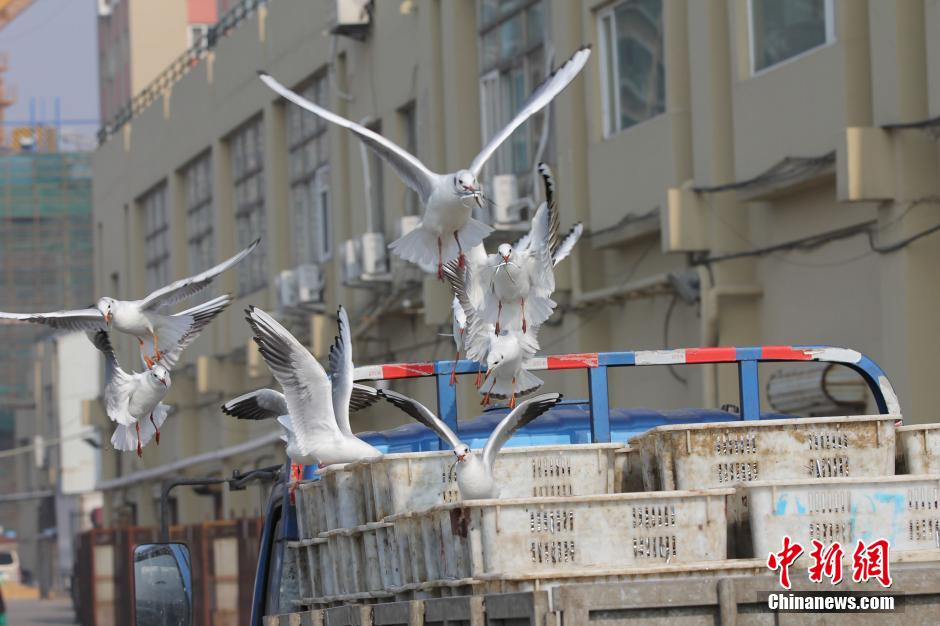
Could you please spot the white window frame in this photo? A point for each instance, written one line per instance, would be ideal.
(323, 215)
(829, 14)
(612, 127)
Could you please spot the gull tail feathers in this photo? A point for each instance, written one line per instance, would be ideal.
(526, 383)
(418, 246)
(125, 437)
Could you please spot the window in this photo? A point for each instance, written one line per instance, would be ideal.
(197, 177)
(632, 72)
(156, 237)
(247, 152)
(409, 129)
(309, 162)
(783, 30)
(512, 62)
(196, 35)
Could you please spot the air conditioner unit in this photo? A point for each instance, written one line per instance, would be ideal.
(310, 284)
(104, 8)
(505, 197)
(352, 261)
(352, 18)
(374, 257)
(286, 286)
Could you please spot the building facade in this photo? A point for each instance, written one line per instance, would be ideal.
(748, 172)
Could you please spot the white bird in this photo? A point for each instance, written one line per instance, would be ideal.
(447, 227)
(503, 353)
(560, 247)
(141, 318)
(317, 404)
(134, 399)
(474, 470)
(263, 404)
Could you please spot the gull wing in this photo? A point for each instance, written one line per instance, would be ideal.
(551, 205)
(118, 384)
(460, 323)
(478, 334)
(421, 414)
(260, 404)
(538, 259)
(202, 314)
(341, 371)
(524, 413)
(89, 319)
(541, 96)
(566, 245)
(306, 386)
(412, 171)
(362, 397)
(185, 287)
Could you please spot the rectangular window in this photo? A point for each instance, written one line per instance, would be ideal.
(632, 64)
(309, 173)
(247, 151)
(783, 30)
(409, 126)
(197, 178)
(156, 236)
(512, 64)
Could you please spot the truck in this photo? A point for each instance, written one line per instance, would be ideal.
(851, 459)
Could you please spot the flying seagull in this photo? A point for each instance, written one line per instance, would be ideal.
(447, 226)
(503, 353)
(475, 471)
(135, 399)
(317, 405)
(263, 404)
(141, 318)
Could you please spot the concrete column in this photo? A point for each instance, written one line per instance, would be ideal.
(176, 210)
(278, 242)
(678, 87)
(223, 208)
(461, 85)
(854, 35)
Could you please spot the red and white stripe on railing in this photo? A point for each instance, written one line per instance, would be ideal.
(680, 356)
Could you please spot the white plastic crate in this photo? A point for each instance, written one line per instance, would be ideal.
(311, 516)
(398, 483)
(525, 535)
(921, 447)
(905, 510)
(722, 454)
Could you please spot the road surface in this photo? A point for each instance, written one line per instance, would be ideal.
(39, 612)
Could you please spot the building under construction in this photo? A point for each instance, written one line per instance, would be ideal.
(45, 264)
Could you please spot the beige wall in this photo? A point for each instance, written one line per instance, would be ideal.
(721, 125)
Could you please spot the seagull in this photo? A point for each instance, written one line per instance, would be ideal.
(141, 318)
(503, 353)
(263, 404)
(475, 471)
(317, 404)
(560, 247)
(447, 226)
(132, 397)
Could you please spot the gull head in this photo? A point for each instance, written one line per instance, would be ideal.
(161, 375)
(107, 306)
(467, 186)
(505, 251)
(494, 359)
(462, 452)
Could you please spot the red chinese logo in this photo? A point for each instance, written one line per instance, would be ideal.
(783, 559)
(826, 563)
(871, 562)
(868, 562)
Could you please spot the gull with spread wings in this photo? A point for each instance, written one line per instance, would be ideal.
(141, 318)
(474, 470)
(317, 404)
(135, 399)
(447, 227)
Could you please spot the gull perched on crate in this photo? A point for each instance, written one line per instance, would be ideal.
(503, 353)
(141, 318)
(134, 397)
(475, 470)
(317, 404)
(447, 226)
(263, 404)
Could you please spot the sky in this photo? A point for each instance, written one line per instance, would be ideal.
(52, 52)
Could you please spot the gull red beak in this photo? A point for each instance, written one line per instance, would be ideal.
(107, 318)
(505, 258)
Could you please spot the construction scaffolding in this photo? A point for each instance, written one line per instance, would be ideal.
(45, 252)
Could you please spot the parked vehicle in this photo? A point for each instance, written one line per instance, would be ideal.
(372, 571)
(9, 563)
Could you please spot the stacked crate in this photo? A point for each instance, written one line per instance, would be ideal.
(687, 497)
